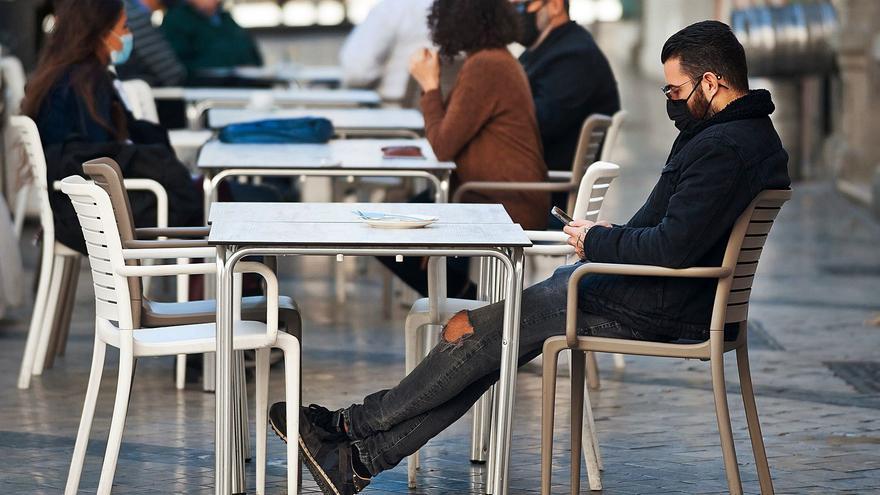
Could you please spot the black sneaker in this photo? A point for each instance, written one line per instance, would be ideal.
(329, 422)
(329, 461)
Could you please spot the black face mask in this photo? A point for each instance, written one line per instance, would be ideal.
(529, 25)
(679, 112)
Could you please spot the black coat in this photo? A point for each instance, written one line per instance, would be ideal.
(570, 79)
(712, 174)
(142, 161)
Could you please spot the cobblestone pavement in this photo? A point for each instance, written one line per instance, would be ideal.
(815, 362)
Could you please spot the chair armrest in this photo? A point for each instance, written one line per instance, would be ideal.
(621, 269)
(167, 270)
(271, 292)
(547, 236)
(173, 232)
(157, 190)
(158, 253)
(165, 243)
(512, 186)
(558, 175)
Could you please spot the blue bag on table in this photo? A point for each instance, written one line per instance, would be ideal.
(304, 130)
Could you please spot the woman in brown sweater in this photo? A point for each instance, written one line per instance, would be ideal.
(487, 125)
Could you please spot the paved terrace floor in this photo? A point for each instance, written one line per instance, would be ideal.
(814, 357)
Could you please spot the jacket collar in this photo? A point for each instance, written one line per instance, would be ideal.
(753, 105)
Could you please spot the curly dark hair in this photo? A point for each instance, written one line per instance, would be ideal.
(470, 25)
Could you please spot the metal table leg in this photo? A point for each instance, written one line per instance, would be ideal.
(223, 425)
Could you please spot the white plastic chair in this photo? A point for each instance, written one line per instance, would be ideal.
(112, 266)
(14, 82)
(186, 142)
(591, 193)
(55, 257)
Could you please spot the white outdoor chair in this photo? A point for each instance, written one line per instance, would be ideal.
(593, 187)
(735, 277)
(59, 265)
(13, 82)
(186, 142)
(112, 267)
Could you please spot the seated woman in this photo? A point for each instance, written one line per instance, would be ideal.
(204, 36)
(81, 116)
(487, 125)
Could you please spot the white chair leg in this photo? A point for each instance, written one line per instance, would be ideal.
(85, 422)
(36, 325)
(262, 412)
(182, 296)
(48, 322)
(291, 389)
(619, 361)
(117, 424)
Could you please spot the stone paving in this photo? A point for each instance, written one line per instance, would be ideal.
(814, 355)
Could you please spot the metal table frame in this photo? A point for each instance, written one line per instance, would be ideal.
(229, 462)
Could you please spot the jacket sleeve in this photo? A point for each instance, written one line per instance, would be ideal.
(568, 85)
(366, 50)
(691, 225)
(450, 127)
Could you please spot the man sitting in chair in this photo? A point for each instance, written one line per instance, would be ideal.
(726, 153)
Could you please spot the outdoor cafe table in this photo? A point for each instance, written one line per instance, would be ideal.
(337, 158)
(346, 121)
(285, 74)
(199, 100)
(239, 230)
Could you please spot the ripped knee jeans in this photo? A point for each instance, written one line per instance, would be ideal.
(392, 424)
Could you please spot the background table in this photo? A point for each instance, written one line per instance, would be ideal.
(236, 239)
(338, 158)
(346, 121)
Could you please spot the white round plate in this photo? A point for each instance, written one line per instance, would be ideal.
(396, 223)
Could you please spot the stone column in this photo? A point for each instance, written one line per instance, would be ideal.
(854, 155)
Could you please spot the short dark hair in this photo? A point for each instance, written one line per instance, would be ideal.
(709, 46)
(471, 25)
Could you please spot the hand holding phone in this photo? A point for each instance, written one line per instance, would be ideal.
(561, 215)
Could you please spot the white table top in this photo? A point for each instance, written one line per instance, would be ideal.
(369, 119)
(302, 74)
(293, 96)
(458, 213)
(338, 153)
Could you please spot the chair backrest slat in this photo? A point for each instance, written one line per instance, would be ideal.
(93, 209)
(24, 144)
(140, 96)
(106, 174)
(592, 190)
(744, 249)
(590, 140)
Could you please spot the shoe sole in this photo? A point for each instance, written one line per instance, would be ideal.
(318, 474)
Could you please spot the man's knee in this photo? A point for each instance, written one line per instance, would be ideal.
(457, 328)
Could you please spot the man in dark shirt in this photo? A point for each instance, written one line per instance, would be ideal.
(726, 153)
(569, 76)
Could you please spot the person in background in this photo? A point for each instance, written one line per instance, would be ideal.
(80, 116)
(204, 36)
(569, 76)
(152, 59)
(376, 54)
(487, 125)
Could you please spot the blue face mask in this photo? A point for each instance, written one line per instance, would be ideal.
(119, 57)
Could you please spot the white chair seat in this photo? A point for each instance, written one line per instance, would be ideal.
(62, 250)
(196, 339)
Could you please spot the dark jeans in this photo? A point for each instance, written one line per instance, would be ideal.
(392, 424)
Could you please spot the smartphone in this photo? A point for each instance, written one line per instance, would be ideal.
(561, 215)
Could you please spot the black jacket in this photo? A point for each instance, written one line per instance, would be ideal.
(712, 174)
(143, 161)
(570, 80)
